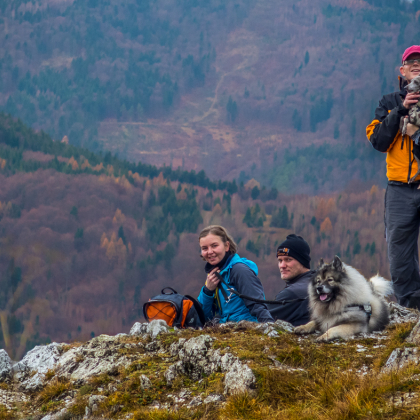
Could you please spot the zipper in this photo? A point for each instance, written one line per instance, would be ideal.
(410, 163)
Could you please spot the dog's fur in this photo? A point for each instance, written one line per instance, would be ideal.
(333, 289)
(413, 118)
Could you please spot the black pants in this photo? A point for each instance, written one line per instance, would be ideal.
(402, 220)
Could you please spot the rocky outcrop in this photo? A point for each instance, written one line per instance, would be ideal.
(5, 366)
(401, 357)
(399, 314)
(198, 359)
(30, 371)
(153, 329)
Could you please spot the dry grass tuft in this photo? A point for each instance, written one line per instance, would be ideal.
(53, 390)
(6, 414)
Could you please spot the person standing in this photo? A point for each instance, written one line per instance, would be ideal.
(402, 199)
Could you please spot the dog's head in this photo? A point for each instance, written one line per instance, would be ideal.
(326, 283)
(414, 85)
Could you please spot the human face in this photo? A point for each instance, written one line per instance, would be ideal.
(411, 71)
(213, 249)
(290, 268)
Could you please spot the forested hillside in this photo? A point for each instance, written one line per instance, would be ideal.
(274, 90)
(86, 238)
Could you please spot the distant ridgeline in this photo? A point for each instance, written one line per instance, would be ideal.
(16, 137)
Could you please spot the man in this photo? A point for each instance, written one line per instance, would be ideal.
(402, 200)
(294, 265)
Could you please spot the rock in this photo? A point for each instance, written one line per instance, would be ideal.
(195, 402)
(197, 358)
(399, 314)
(95, 400)
(139, 329)
(99, 355)
(284, 326)
(173, 371)
(401, 357)
(145, 382)
(414, 336)
(403, 399)
(239, 379)
(56, 416)
(156, 327)
(40, 359)
(213, 398)
(9, 398)
(5, 366)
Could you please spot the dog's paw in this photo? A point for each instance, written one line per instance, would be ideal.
(324, 338)
(299, 330)
(303, 329)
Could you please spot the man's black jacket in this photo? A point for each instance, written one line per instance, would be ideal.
(297, 313)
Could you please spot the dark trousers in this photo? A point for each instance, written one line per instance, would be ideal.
(402, 220)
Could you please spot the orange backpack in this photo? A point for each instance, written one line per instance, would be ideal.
(175, 309)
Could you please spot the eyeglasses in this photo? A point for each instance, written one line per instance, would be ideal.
(411, 62)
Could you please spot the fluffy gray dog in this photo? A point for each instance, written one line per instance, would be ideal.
(343, 303)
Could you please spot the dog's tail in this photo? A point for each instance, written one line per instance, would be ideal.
(381, 286)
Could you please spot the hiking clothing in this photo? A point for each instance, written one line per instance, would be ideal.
(297, 313)
(239, 274)
(384, 135)
(209, 267)
(402, 221)
(402, 200)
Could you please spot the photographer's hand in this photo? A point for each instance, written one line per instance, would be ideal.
(411, 99)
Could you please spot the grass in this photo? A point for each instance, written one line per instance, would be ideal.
(52, 391)
(323, 382)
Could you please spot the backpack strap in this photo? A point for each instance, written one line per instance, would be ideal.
(271, 302)
(198, 308)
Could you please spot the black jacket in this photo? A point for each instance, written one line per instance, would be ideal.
(384, 134)
(297, 313)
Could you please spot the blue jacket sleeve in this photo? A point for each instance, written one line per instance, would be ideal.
(247, 283)
(207, 304)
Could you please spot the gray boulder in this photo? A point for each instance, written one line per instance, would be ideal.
(40, 360)
(156, 327)
(145, 382)
(239, 378)
(401, 357)
(5, 366)
(399, 314)
(139, 329)
(99, 355)
(414, 336)
(197, 359)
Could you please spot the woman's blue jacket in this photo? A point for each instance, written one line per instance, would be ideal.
(235, 310)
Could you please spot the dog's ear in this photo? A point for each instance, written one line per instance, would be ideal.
(321, 263)
(337, 264)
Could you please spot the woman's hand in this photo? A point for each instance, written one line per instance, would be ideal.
(212, 280)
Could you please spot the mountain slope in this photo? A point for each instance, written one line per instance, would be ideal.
(222, 86)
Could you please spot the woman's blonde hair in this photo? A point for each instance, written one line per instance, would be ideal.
(222, 233)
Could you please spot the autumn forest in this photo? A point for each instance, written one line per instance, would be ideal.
(87, 238)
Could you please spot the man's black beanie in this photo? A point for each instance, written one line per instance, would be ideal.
(296, 247)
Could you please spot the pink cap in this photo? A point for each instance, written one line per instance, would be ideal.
(411, 50)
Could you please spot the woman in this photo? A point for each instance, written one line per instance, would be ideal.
(218, 249)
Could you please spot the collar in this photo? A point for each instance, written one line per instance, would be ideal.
(299, 277)
(403, 84)
(221, 265)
